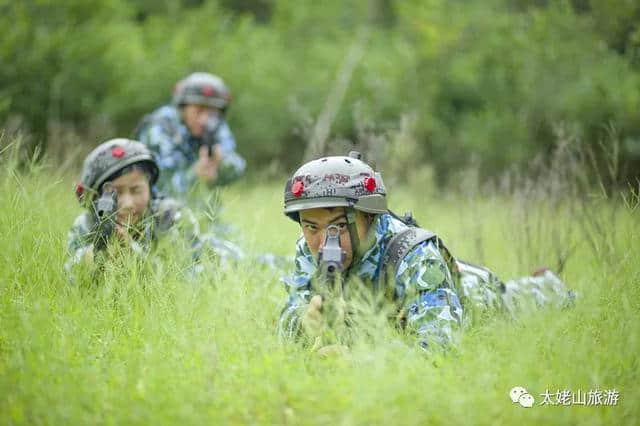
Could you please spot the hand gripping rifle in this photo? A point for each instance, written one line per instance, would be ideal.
(105, 209)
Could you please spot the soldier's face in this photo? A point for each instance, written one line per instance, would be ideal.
(314, 223)
(195, 118)
(133, 193)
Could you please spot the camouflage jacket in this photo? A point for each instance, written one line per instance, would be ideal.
(176, 151)
(165, 218)
(435, 291)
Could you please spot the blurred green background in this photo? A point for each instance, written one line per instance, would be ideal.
(442, 84)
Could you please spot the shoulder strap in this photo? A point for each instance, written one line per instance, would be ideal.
(401, 243)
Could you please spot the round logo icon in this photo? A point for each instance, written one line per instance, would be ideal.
(520, 395)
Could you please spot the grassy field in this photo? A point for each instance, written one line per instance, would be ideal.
(152, 348)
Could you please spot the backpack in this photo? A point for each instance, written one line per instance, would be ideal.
(167, 123)
(402, 243)
(141, 126)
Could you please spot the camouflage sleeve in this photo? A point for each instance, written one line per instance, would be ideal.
(431, 303)
(176, 175)
(178, 221)
(299, 288)
(232, 165)
(79, 243)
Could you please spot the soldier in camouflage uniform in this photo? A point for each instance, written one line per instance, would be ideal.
(115, 188)
(190, 139)
(432, 293)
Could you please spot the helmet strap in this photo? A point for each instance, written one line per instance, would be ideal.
(353, 231)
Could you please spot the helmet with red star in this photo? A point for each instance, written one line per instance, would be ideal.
(107, 160)
(341, 181)
(202, 88)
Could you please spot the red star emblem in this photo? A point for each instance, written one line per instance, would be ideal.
(117, 152)
(370, 183)
(207, 91)
(298, 188)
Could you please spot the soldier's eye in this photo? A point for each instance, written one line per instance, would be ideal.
(342, 226)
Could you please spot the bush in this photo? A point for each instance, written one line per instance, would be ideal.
(501, 84)
(487, 80)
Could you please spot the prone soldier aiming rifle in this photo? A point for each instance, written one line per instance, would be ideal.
(190, 137)
(96, 190)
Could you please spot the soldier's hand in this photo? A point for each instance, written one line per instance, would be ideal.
(206, 167)
(122, 233)
(312, 319)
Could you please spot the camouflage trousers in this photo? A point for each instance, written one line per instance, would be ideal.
(483, 290)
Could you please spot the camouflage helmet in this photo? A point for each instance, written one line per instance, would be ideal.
(202, 88)
(107, 159)
(341, 181)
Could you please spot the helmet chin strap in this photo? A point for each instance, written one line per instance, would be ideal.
(353, 232)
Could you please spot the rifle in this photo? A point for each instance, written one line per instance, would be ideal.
(210, 130)
(105, 209)
(329, 282)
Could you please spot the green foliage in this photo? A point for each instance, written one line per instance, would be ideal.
(52, 62)
(501, 81)
(488, 81)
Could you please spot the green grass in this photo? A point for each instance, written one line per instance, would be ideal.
(148, 347)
